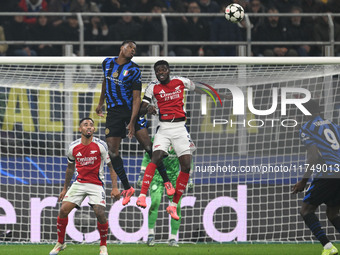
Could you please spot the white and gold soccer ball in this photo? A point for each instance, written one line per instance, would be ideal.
(234, 13)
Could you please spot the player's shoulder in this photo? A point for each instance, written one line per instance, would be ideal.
(108, 59)
(132, 67)
(100, 142)
(75, 143)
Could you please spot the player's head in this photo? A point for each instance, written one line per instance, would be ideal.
(313, 107)
(162, 71)
(86, 127)
(128, 49)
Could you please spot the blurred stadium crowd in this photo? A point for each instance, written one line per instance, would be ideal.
(148, 28)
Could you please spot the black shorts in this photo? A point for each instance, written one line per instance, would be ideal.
(323, 191)
(118, 118)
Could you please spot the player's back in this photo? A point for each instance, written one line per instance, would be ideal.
(326, 136)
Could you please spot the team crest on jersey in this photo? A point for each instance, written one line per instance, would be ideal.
(107, 131)
(115, 74)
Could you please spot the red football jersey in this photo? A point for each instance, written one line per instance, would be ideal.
(89, 160)
(169, 98)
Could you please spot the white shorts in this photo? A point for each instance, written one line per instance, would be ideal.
(176, 134)
(79, 191)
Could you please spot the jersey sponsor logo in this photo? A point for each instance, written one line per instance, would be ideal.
(93, 152)
(171, 95)
(87, 160)
(79, 154)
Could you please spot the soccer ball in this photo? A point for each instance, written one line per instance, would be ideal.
(234, 13)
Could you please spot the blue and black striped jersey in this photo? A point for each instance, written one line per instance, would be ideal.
(121, 80)
(326, 136)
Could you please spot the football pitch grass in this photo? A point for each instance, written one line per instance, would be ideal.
(185, 249)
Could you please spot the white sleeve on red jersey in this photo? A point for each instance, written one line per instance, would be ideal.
(188, 84)
(148, 95)
(104, 151)
(70, 156)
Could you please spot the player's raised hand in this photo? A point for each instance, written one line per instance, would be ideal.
(152, 110)
(131, 129)
(115, 193)
(298, 187)
(99, 110)
(62, 195)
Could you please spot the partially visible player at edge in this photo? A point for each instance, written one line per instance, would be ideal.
(121, 87)
(87, 155)
(168, 94)
(322, 140)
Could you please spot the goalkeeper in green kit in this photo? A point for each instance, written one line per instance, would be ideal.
(171, 164)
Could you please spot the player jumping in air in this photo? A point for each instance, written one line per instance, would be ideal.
(156, 193)
(168, 94)
(122, 89)
(322, 139)
(87, 155)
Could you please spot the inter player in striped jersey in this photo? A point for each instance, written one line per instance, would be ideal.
(322, 140)
(168, 94)
(87, 155)
(122, 89)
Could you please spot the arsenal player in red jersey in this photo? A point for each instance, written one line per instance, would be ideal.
(87, 155)
(167, 94)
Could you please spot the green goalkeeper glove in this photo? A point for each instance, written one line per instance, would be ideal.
(140, 178)
(190, 185)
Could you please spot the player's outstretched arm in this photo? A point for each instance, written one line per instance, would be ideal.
(99, 109)
(68, 177)
(114, 192)
(313, 157)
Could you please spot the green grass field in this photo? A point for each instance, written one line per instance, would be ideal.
(163, 249)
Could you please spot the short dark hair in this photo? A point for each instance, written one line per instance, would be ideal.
(161, 62)
(313, 107)
(128, 41)
(87, 118)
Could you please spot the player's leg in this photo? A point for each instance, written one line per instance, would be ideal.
(319, 192)
(115, 131)
(156, 193)
(181, 184)
(148, 176)
(113, 144)
(175, 224)
(97, 199)
(102, 226)
(144, 140)
(62, 221)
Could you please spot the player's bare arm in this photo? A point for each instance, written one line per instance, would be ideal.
(99, 109)
(135, 110)
(114, 192)
(68, 177)
(313, 157)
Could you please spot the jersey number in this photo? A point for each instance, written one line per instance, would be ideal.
(330, 137)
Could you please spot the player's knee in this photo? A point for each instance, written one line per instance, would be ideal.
(332, 213)
(63, 212)
(149, 151)
(113, 155)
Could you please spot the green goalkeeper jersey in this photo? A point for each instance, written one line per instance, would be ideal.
(171, 164)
